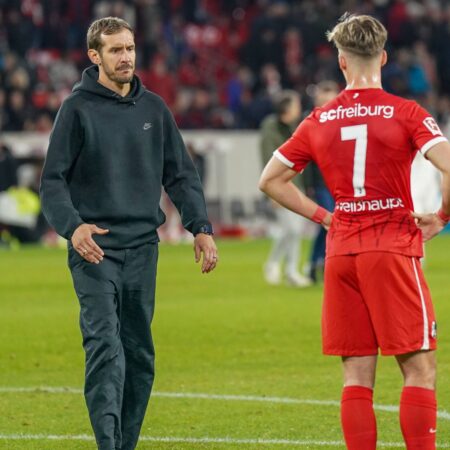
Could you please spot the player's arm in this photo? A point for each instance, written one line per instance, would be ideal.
(276, 182)
(432, 224)
(439, 156)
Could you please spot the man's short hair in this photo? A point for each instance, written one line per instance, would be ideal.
(107, 25)
(361, 35)
(283, 101)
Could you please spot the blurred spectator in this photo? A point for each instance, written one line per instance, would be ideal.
(158, 79)
(240, 83)
(117, 8)
(257, 106)
(149, 17)
(17, 112)
(8, 168)
(20, 31)
(63, 73)
(3, 117)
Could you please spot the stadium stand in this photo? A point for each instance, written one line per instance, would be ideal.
(217, 63)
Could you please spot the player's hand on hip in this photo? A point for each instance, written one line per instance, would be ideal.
(326, 223)
(204, 243)
(430, 224)
(84, 244)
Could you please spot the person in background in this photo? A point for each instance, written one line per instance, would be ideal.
(275, 130)
(324, 92)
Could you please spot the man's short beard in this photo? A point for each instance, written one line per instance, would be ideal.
(117, 78)
(121, 80)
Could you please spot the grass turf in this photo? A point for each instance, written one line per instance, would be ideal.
(223, 333)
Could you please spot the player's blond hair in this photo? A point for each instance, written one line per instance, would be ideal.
(361, 35)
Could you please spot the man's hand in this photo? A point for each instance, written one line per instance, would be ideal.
(204, 243)
(430, 224)
(84, 244)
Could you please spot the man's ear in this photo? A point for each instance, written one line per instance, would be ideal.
(94, 56)
(384, 58)
(342, 62)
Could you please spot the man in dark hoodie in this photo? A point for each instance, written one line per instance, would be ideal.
(113, 145)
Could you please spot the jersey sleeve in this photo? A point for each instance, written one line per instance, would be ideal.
(296, 151)
(423, 129)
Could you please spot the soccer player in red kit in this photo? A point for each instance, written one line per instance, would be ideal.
(375, 294)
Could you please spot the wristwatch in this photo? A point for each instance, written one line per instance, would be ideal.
(205, 229)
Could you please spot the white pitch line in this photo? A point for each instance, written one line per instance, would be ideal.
(198, 395)
(203, 440)
(246, 398)
(42, 389)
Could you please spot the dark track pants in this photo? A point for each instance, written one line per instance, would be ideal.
(117, 299)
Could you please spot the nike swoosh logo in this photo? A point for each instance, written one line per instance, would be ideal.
(147, 126)
(433, 430)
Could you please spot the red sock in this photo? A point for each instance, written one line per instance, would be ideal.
(358, 419)
(418, 412)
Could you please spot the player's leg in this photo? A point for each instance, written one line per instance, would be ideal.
(295, 226)
(272, 266)
(404, 322)
(347, 331)
(357, 414)
(418, 408)
(137, 308)
(359, 370)
(418, 368)
(318, 252)
(98, 290)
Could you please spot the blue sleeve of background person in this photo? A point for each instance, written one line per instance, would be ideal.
(65, 144)
(180, 178)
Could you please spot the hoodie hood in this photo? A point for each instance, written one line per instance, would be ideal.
(89, 83)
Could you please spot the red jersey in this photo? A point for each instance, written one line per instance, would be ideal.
(364, 142)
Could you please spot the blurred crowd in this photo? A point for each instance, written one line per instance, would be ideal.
(217, 63)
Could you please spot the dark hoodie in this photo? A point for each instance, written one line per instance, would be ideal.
(107, 160)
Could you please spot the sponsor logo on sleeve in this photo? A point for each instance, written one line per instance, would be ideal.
(431, 124)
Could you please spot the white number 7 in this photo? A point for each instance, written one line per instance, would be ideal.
(358, 133)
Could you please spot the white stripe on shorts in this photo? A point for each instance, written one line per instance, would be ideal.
(426, 340)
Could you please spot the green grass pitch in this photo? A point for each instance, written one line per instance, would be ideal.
(226, 333)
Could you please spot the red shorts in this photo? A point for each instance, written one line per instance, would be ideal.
(376, 300)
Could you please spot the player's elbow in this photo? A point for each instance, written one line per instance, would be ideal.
(264, 184)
